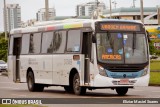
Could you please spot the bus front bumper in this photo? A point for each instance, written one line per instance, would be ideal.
(101, 81)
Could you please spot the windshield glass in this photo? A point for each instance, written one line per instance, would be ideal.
(120, 48)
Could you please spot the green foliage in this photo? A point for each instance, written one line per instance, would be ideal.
(154, 78)
(3, 48)
(151, 47)
(155, 65)
(157, 52)
(156, 40)
(153, 50)
(2, 35)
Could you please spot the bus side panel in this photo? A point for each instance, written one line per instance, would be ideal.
(47, 69)
(23, 68)
(93, 72)
(82, 69)
(41, 66)
(63, 64)
(93, 66)
(11, 68)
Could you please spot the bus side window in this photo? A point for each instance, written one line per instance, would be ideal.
(47, 45)
(73, 42)
(60, 41)
(25, 43)
(35, 43)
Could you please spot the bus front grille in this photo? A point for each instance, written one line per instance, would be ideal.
(124, 69)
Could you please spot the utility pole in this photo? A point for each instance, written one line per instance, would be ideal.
(110, 9)
(46, 10)
(158, 14)
(5, 20)
(142, 18)
(97, 2)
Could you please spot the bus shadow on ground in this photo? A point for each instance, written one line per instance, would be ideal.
(90, 94)
(51, 93)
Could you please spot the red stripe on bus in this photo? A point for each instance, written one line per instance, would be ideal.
(50, 28)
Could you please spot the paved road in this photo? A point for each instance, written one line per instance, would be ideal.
(8, 89)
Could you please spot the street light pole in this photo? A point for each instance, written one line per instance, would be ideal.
(5, 20)
(158, 14)
(110, 9)
(46, 10)
(142, 18)
(97, 8)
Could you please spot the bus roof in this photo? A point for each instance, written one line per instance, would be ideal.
(122, 20)
(64, 24)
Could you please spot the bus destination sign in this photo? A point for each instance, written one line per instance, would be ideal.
(119, 27)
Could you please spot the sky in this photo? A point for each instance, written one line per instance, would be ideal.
(29, 8)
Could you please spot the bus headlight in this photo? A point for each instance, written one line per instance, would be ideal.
(102, 71)
(145, 71)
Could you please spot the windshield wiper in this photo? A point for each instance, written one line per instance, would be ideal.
(134, 42)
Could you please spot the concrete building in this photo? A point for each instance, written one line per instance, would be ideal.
(13, 15)
(150, 14)
(41, 14)
(86, 9)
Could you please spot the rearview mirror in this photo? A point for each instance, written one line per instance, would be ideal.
(148, 36)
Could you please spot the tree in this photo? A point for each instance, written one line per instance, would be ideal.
(3, 47)
(2, 35)
(151, 48)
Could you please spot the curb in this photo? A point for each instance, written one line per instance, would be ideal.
(155, 71)
(154, 85)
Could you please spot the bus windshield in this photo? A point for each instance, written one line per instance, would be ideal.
(121, 48)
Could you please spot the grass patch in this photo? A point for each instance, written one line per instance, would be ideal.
(154, 78)
(155, 65)
(8, 105)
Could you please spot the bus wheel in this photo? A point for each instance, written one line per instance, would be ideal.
(39, 87)
(31, 83)
(68, 89)
(122, 91)
(78, 90)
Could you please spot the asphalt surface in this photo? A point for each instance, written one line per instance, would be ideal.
(8, 89)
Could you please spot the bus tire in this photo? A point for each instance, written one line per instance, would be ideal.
(78, 90)
(68, 89)
(31, 83)
(39, 87)
(121, 91)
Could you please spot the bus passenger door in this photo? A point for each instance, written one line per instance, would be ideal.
(16, 53)
(86, 50)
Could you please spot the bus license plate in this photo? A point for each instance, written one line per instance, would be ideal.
(124, 81)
